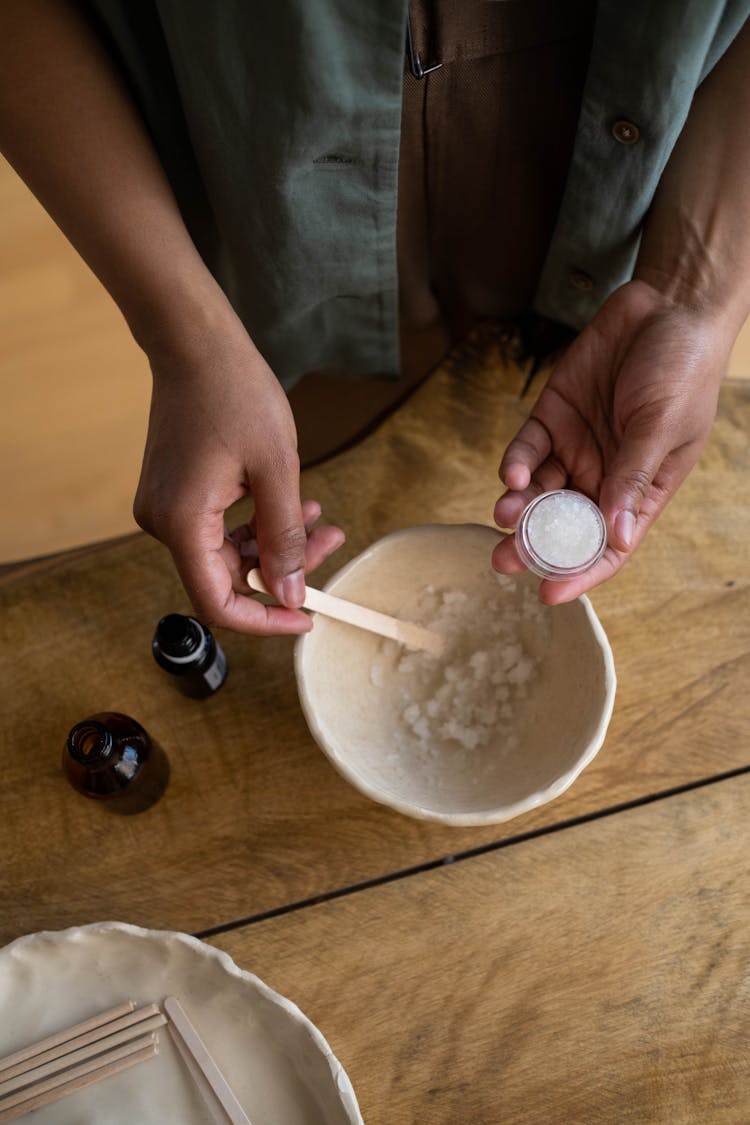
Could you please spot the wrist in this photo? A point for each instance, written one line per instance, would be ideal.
(699, 333)
(187, 320)
(687, 279)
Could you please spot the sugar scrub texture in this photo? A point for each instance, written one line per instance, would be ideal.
(564, 530)
(467, 701)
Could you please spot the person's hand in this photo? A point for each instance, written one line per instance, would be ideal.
(622, 418)
(221, 427)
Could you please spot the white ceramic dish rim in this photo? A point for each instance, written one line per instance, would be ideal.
(339, 1076)
(467, 819)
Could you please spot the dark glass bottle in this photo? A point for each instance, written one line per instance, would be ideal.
(189, 652)
(110, 757)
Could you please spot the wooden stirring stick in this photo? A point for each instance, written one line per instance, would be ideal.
(404, 632)
(190, 1043)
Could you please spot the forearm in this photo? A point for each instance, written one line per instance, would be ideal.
(71, 131)
(220, 424)
(696, 242)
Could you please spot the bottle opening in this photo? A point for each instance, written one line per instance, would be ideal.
(89, 742)
(179, 637)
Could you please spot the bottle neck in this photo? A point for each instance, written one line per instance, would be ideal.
(181, 640)
(90, 743)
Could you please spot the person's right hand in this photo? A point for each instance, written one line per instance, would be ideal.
(221, 427)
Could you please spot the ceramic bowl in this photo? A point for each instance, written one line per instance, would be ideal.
(505, 721)
(276, 1061)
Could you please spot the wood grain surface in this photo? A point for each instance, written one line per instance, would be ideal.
(600, 974)
(75, 389)
(255, 817)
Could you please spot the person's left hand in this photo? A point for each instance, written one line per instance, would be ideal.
(623, 418)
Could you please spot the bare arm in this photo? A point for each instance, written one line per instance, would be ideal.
(628, 409)
(220, 424)
(71, 132)
(696, 242)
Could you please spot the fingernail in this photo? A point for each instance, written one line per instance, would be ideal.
(293, 589)
(625, 528)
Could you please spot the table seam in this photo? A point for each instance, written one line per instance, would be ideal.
(470, 853)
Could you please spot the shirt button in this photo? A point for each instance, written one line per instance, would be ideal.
(581, 280)
(625, 132)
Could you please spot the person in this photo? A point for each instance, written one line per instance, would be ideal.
(235, 174)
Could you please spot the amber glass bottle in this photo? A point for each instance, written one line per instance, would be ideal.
(189, 652)
(110, 757)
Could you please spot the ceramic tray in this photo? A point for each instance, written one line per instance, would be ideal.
(277, 1062)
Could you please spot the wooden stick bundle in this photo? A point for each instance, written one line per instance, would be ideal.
(106, 1044)
(71, 1059)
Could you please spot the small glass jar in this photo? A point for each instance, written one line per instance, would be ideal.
(561, 534)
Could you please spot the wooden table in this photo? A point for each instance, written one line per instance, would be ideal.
(587, 962)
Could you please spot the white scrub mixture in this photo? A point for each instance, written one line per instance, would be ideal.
(467, 700)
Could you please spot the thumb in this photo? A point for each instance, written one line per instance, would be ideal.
(281, 532)
(628, 483)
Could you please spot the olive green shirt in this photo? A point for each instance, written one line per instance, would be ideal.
(278, 124)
